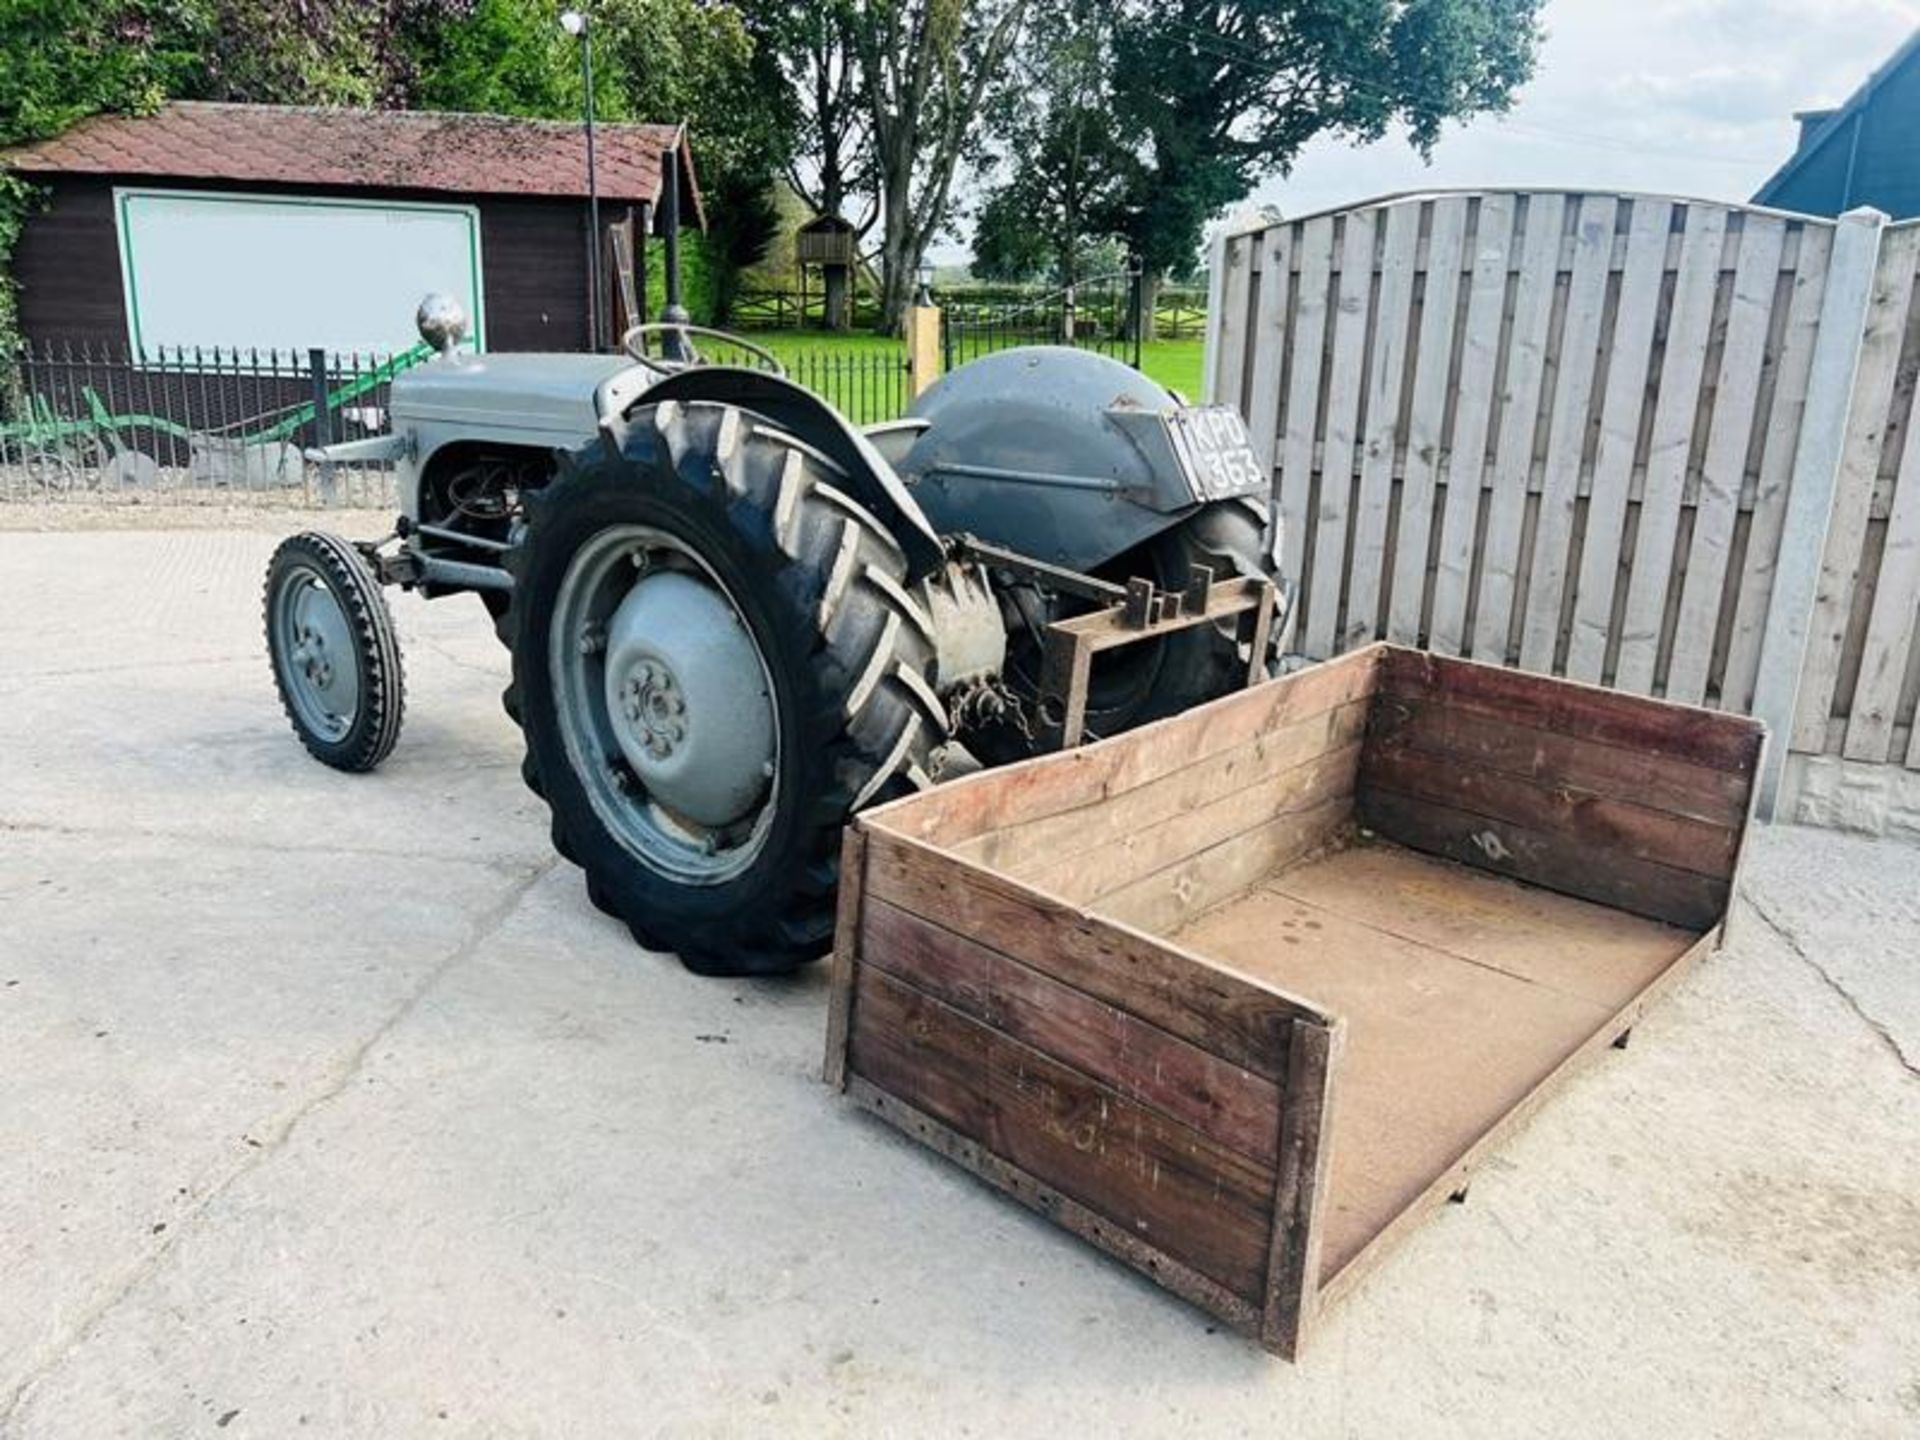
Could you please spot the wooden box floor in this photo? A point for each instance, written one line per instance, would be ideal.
(1461, 990)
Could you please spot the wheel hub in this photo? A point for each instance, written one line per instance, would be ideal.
(319, 651)
(688, 699)
(655, 708)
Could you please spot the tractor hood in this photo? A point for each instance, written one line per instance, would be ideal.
(529, 399)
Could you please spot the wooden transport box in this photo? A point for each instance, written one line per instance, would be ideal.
(1239, 996)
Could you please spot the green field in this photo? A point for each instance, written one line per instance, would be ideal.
(857, 371)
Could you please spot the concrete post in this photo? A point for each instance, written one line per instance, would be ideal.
(1816, 470)
(923, 346)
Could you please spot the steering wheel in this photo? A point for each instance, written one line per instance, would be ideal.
(634, 342)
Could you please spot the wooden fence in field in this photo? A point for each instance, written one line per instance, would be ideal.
(1655, 444)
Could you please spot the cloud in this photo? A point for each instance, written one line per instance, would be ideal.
(1725, 93)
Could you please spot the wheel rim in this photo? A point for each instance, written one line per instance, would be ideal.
(318, 662)
(665, 704)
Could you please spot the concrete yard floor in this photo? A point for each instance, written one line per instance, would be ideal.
(329, 1101)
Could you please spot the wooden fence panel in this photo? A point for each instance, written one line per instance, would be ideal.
(1578, 362)
(1426, 421)
(1559, 430)
(1393, 320)
(1833, 650)
(1539, 266)
(1723, 472)
(1869, 601)
(1793, 371)
(1346, 375)
(1611, 481)
(1467, 459)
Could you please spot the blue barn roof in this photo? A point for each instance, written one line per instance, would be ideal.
(1866, 152)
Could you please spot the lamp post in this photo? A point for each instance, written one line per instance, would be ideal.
(574, 22)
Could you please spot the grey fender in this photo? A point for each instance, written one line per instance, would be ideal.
(1059, 453)
(864, 471)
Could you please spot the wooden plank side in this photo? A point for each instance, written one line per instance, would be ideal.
(1169, 897)
(1305, 788)
(1300, 1189)
(1724, 467)
(1873, 391)
(846, 944)
(950, 815)
(1311, 306)
(1433, 379)
(1484, 736)
(1466, 465)
(1346, 382)
(978, 1160)
(1539, 262)
(1269, 344)
(1554, 860)
(1142, 1062)
(1636, 316)
(1706, 737)
(1393, 319)
(1668, 453)
(1794, 369)
(1162, 1182)
(1225, 1014)
(1606, 827)
(1573, 400)
(1895, 614)
(1024, 849)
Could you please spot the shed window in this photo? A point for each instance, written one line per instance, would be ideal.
(245, 271)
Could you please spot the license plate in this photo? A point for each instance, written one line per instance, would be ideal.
(1215, 453)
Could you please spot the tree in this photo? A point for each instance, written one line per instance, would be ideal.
(1226, 92)
(659, 60)
(510, 57)
(926, 68)
(1061, 166)
(716, 67)
(832, 163)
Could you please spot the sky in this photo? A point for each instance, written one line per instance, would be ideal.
(1680, 97)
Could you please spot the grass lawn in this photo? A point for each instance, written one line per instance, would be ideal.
(858, 371)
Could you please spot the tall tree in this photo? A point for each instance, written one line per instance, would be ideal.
(1060, 166)
(832, 165)
(1226, 92)
(926, 68)
(715, 66)
(661, 60)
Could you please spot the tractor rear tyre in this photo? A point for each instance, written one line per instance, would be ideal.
(715, 663)
(336, 660)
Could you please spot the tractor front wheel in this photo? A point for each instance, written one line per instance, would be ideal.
(336, 660)
(716, 662)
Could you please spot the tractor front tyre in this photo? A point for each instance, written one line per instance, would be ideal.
(336, 659)
(716, 662)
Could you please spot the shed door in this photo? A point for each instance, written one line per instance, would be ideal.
(288, 273)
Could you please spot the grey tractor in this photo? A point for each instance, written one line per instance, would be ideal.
(735, 618)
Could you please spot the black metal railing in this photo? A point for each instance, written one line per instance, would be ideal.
(88, 423)
(865, 385)
(1102, 314)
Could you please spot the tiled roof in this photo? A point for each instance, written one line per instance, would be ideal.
(387, 149)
